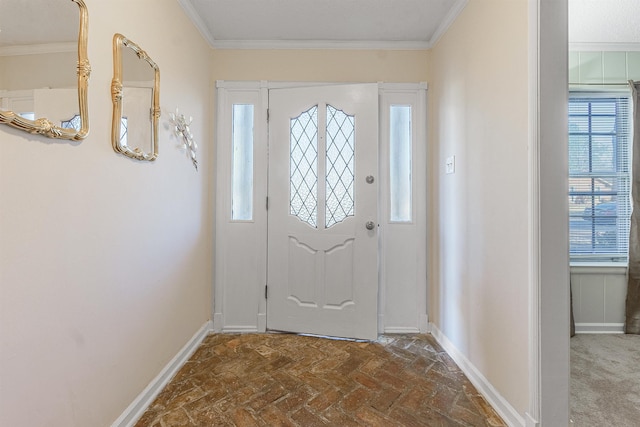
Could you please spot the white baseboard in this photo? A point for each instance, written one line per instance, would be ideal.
(239, 329)
(135, 410)
(401, 330)
(530, 421)
(424, 324)
(262, 322)
(599, 328)
(218, 322)
(499, 403)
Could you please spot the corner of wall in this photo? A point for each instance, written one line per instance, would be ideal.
(497, 401)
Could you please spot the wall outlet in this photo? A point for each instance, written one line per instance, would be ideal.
(450, 165)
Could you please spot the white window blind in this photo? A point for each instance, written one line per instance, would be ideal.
(599, 177)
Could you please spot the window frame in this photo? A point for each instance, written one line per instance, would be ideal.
(614, 258)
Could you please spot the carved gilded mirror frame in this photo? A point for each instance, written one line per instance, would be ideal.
(44, 126)
(120, 42)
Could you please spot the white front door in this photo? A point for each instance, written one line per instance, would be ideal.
(322, 219)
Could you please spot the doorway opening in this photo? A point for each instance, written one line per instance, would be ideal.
(321, 208)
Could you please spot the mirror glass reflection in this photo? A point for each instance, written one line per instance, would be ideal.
(39, 56)
(135, 90)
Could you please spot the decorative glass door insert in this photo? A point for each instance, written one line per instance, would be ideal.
(336, 149)
(322, 253)
(304, 166)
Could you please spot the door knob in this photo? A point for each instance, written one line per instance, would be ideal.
(370, 225)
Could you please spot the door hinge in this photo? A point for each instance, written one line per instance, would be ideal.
(267, 203)
(267, 115)
(266, 291)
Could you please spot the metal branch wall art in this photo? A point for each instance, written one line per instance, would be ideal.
(183, 133)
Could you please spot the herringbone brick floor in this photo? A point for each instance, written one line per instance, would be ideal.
(292, 380)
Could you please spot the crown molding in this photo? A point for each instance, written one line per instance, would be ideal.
(197, 21)
(36, 49)
(448, 20)
(321, 44)
(603, 47)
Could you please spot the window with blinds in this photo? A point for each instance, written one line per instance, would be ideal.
(599, 177)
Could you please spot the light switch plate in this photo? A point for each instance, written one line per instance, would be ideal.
(450, 164)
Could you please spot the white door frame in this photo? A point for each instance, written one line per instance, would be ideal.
(548, 224)
(239, 303)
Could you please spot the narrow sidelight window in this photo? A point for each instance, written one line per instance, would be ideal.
(242, 174)
(400, 143)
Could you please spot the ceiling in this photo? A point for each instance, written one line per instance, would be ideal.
(390, 24)
(601, 22)
(411, 24)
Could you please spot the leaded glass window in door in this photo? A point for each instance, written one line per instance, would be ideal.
(339, 166)
(304, 166)
(328, 164)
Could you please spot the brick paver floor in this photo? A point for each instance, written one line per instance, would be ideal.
(293, 380)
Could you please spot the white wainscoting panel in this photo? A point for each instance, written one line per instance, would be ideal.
(599, 295)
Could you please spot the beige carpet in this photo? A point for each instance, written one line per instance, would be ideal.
(605, 380)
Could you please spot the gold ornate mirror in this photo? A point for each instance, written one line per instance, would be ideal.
(135, 91)
(44, 68)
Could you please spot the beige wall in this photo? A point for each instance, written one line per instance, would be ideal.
(105, 262)
(54, 70)
(478, 269)
(321, 65)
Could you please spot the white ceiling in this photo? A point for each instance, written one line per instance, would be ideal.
(413, 24)
(604, 22)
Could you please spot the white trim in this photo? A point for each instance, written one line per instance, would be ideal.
(598, 269)
(140, 404)
(251, 85)
(447, 21)
(549, 292)
(37, 49)
(401, 330)
(239, 329)
(533, 412)
(195, 19)
(604, 47)
(400, 87)
(423, 325)
(599, 328)
(529, 421)
(262, 320)
(320, 44)
(218, 322)
(495, 399)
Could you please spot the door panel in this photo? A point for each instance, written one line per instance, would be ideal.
(322, 267)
